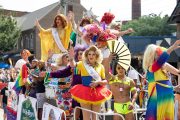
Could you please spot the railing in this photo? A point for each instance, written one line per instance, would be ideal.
(140, 110)
(97, 114)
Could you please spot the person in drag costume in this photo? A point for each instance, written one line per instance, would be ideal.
(92, 92)
(160, 104)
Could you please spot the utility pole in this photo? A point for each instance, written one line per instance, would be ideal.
(63, 6)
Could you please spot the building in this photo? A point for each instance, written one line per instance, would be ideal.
(12, 13)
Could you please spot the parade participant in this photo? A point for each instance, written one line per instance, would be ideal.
(91, 33)
(76, 35)
(121, 87)
(57, 37)
(76, 78)
(160, 104)
(91, 93)
(106, 20)
(115, 28)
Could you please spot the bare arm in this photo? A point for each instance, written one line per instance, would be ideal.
(171, 69)
(71, 57)
(38, 25)
(176, 45)
(134, 92)
(121, 33)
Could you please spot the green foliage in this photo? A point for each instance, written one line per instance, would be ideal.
(151, 25)
(9, 33)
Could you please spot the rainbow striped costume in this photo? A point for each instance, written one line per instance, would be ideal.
(161, 98)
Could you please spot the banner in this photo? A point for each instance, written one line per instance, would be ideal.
(12, 97)
(27, 108)
(51, 112)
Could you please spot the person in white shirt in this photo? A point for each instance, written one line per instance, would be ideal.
(24, 55)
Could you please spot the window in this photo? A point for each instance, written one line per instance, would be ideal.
(31, 41)
(26, 42)
(21, 42)
(70, 8)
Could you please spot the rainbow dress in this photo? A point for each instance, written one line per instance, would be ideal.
(83, 93)
(160, 104)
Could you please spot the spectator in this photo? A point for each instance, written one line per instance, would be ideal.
(24, 55)
(3, 101)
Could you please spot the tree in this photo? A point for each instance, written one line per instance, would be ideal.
(151, 25)
(9, 33)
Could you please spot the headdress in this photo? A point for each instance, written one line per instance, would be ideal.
(107, 18)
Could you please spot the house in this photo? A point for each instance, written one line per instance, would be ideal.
(29, 37)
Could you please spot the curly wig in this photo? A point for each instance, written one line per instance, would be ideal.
(63, 20)
(77, 49)
(98, 53)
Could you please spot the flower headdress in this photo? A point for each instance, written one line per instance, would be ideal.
(107, 18)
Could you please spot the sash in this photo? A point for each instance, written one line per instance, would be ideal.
(58, 40)
(92, 72)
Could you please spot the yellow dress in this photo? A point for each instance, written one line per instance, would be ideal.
(48, 42)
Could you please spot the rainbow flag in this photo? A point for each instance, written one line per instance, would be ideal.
(18, 83)
(21, 79)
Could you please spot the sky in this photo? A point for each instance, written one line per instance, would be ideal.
(121, 8)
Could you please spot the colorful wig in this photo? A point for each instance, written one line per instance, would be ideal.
(92, 30)
(107, 18)
(77, 49)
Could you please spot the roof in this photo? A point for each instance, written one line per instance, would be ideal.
(13, 13)
(175, 16)
(28, 21)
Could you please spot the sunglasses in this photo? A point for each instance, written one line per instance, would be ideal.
(119, 68)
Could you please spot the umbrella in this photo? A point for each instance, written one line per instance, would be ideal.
(123, 55)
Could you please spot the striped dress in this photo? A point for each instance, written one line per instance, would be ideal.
(161, 98)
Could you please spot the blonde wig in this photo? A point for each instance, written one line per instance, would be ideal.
(59, 61)
(97, 51)
(150, 56)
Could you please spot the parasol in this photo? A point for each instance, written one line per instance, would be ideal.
(123, 55)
